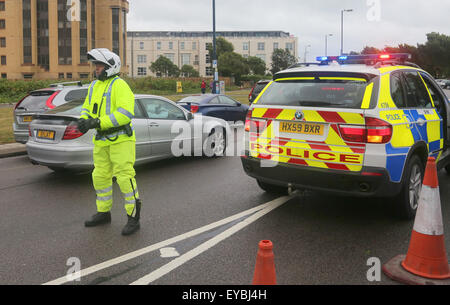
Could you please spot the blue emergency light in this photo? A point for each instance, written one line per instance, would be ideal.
(367, 57)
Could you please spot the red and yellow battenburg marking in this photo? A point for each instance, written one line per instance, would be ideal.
(333, 153)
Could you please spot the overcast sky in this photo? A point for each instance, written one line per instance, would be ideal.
(373, 22)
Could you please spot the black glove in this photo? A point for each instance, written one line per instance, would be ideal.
(84, 125)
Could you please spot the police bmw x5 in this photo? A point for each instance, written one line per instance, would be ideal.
(358, 125)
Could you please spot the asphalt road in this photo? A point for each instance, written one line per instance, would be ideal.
(318, 238)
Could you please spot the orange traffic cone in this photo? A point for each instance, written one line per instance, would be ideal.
(265, 266)
(426, 257)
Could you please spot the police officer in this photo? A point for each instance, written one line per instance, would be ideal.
(109, 108)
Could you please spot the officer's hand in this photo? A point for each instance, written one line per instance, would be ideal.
(84, 125)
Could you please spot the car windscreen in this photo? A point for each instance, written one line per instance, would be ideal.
(315, 93)
(36, 100)
(192, 99)
(70, 108)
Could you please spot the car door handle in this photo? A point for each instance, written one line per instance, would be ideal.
(421, 122)
(153, 124)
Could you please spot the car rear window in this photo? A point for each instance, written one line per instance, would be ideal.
(192, 99)
(258, 88)
(323, 92)
(70, 108)
(36, 100)
(76, 94)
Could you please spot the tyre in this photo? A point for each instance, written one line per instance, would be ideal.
(272, 189)
(407, 200)
(215, 145)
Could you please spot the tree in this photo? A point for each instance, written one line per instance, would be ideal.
(281, 59)
(233, 65)
(164, 67)
(189, 71)
(257, 65)
(222, 46)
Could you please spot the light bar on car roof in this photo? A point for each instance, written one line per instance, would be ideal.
(369, 57)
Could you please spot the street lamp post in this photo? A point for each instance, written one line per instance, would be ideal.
(342, 29)
(214, 57)
(326, 43)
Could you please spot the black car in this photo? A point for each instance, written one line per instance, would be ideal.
(257, 88)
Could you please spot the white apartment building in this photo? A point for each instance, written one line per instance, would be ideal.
(190, 48)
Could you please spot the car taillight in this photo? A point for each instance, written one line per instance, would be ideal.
(194, 108)
(248, 117)
(374, 131)
(49, 102)
(250, 95)
(18, 103)
(72, 132)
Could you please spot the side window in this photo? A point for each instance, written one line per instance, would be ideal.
(397, 92)
(416, 93)
(438, 100)
(138, 114)
(76, 94)
(159, 109)
(227, 101)
(214, 101)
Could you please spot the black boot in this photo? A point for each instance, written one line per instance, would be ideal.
(98, 219)
(133, 221)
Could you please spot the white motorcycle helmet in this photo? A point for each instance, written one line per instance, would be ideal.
(110, 59)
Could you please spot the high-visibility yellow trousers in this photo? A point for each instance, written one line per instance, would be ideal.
(115, 160)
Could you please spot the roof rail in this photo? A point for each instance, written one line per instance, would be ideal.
(78, 83)
(306, 64)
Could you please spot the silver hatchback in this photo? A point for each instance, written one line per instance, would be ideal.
(39, 101)
(163, 129)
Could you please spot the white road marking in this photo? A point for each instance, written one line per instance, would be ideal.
(162, 244)
(208, 244)
(169, 252)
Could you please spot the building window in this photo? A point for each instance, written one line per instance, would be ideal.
(208, 71)
(26, 20)
(142, 71)
(261, 46)
(2, 5)
(289, 46)
(182, 45)
(69, 75)
(141, 45)
(261, 56)
(170, 45)
(115, 30)
(185, 59)
(4, 75)
(42, 34)
(158, 45)
(207, 58)
(93, 24)
(2, 23)
(170, 56)
(84, 75)
(60, 75)
(142, 59)
(64, 35)
(194, 46)
(245, 46)
(28, 76)
(3, 60)
(275, 45)
(208, 45)
(83, 32)
(2, 42)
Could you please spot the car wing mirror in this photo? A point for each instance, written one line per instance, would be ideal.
(189, 116)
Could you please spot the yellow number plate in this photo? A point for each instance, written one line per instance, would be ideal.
(46, 134)
(302, 128)
(27, 118)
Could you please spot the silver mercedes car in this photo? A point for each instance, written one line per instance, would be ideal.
(163, 130)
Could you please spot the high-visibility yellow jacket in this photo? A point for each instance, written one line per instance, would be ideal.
(112, 101)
